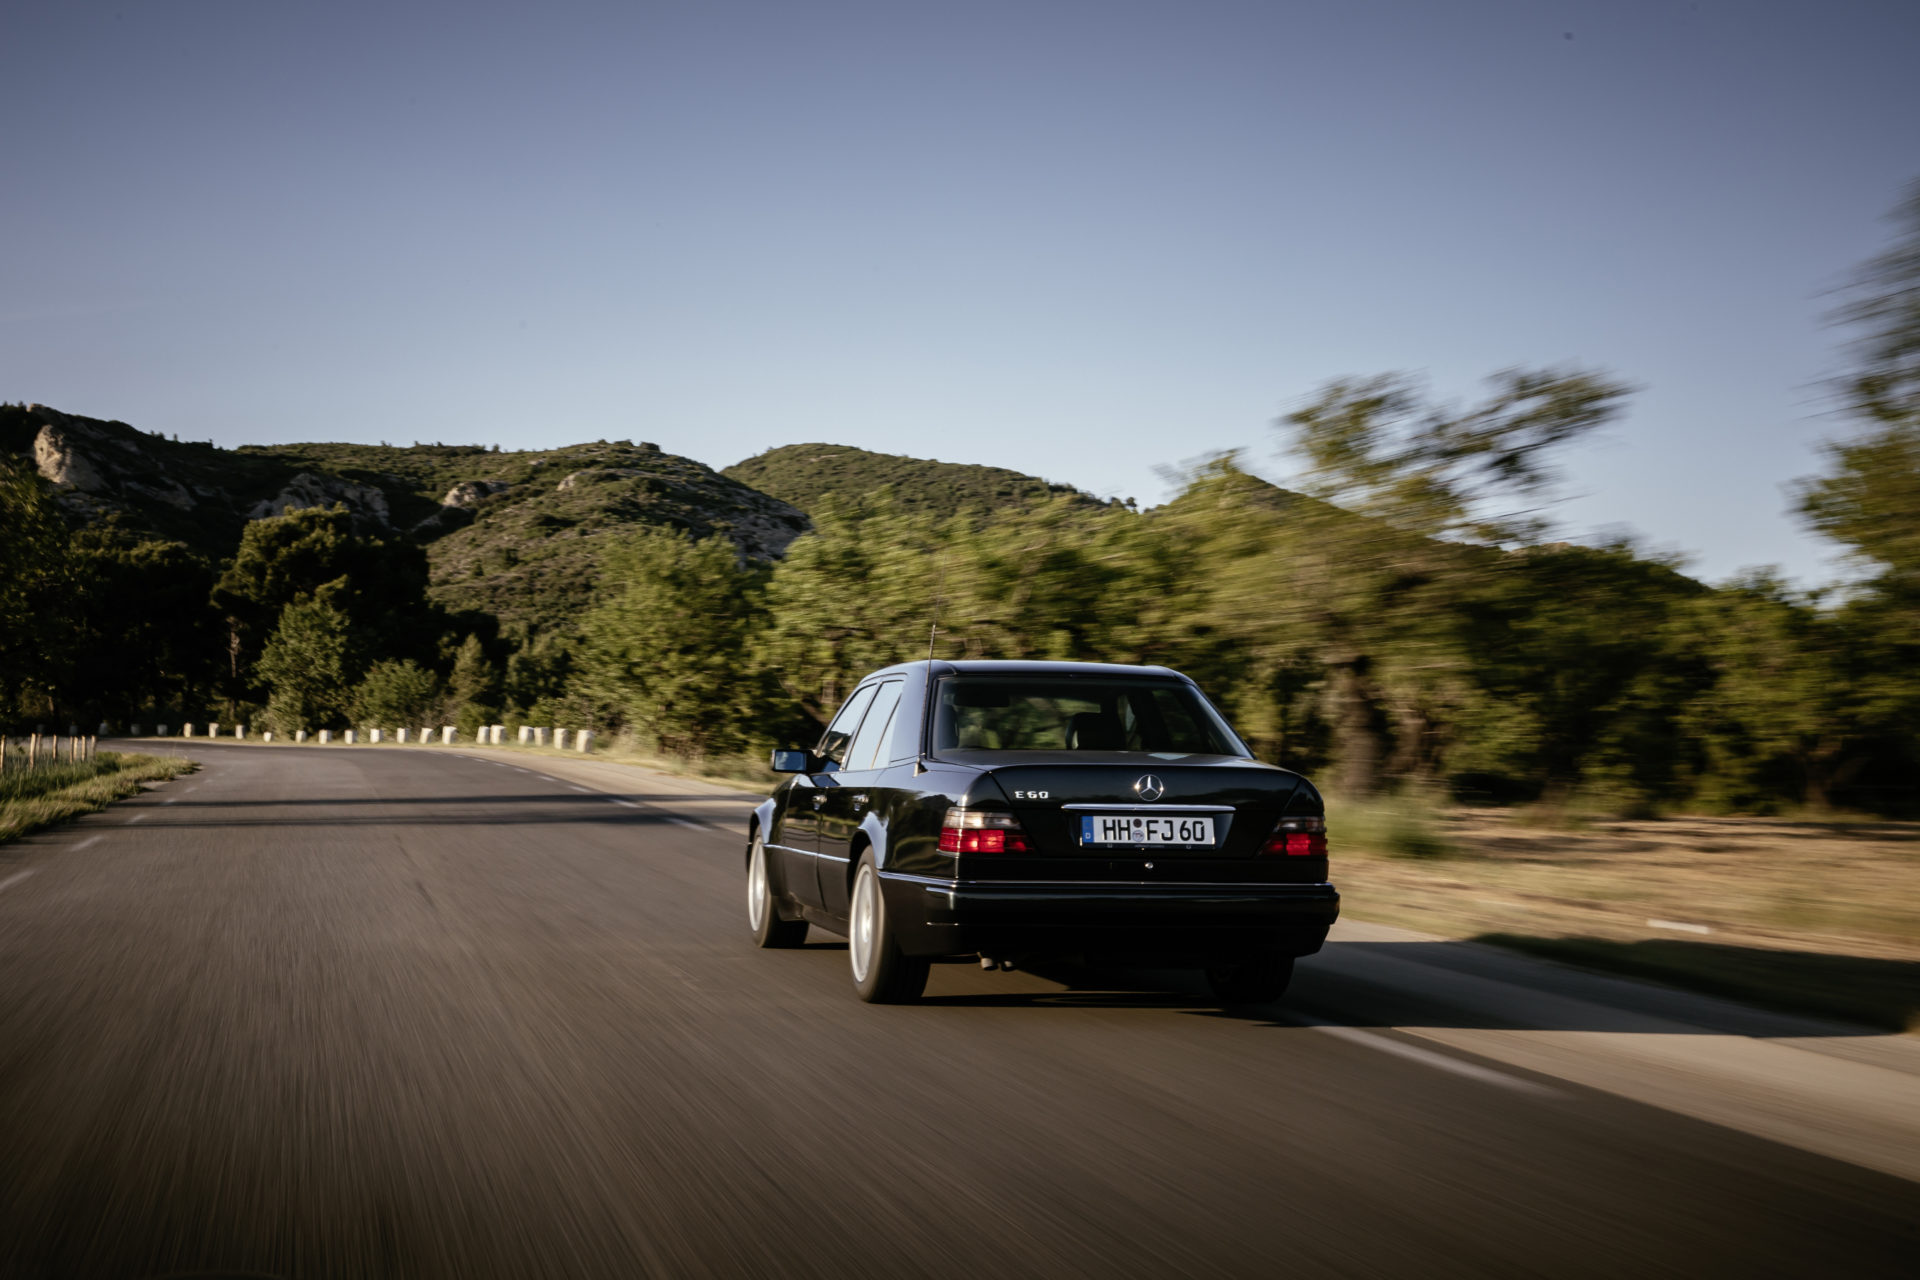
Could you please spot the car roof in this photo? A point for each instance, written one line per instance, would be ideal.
(1015, 667)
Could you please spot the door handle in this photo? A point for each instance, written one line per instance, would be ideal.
(819, 800)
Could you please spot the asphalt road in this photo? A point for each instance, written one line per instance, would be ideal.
(392, 1012)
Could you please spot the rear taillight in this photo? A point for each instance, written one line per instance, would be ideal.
(1298, 838)
(975, 831)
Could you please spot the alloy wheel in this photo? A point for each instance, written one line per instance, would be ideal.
(862, 927)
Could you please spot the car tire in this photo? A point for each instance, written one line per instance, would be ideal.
(763, 913)
(1260, 978)
(881, 975)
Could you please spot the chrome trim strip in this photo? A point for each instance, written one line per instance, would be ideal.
(787, 848)
(1176, 807)
(964, 885)
(932, 882)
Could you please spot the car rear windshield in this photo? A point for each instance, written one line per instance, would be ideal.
(1000, 713)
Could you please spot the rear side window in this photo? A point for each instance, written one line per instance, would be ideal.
(839, 735)
(869, 749)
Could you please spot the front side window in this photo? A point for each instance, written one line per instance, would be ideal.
(839, 735)
(1040, 713)
(869, 744)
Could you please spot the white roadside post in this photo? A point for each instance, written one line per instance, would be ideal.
(213, 730)
(446, 735)
(583, 741)
(326, 736)
(400, 736)
(162, 732)
(299, 735)
(373, 735)
(499, 735)
(525, 733)
(186, 731)
(559, 739)
(240, 733)
(426, 736)
(539, 737)
(267, 736)
(353, 736)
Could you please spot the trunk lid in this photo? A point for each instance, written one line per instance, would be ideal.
(1050, 795)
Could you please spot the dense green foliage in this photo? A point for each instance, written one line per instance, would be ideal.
(814, 477)
(1400, 622)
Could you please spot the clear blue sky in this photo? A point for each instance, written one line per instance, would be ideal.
(1086, 240)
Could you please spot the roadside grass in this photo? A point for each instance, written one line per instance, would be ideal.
(1807, 915)
(1403, 825)
(30, 800)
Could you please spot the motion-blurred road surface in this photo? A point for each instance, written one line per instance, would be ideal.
(406, 1012)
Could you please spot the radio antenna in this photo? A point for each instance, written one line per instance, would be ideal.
(926, 701)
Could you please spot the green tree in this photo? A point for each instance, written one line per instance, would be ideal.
(145, 645)
(379, 586)
(396, 694)
(858, 592)
(539, 671)
(668, 649)
(1377, 574)
(35, 580)
(473, 689)
(1870, 500)
(1781, 719)
(308, 666)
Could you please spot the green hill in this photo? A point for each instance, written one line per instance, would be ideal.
(810, 475)
(515, 534)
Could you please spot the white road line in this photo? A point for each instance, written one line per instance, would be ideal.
(15, 878)
(138, 817)
(1678, 926)
(617, 800)
(1427, 1057)
(686, 822)
(582, 790)
(84, 843)
(170, 800)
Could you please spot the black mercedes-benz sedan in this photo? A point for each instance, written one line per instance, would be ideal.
(1026, 810)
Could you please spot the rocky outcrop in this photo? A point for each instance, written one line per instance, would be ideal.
(61, 461)
(309, 490)
(471, 493)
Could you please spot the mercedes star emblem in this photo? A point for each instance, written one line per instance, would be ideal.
(1149, 788)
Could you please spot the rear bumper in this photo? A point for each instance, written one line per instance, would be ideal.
(943, 917)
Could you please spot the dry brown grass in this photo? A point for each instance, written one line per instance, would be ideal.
(1814, 915)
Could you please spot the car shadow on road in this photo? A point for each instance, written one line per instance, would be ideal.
(1469, 986)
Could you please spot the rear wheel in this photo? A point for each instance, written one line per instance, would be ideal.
(881, 975)
(769, 930)
(1260, 978)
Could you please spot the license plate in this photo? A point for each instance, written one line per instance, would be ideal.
(1131, 828)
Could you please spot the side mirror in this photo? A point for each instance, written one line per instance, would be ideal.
(792, 761)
